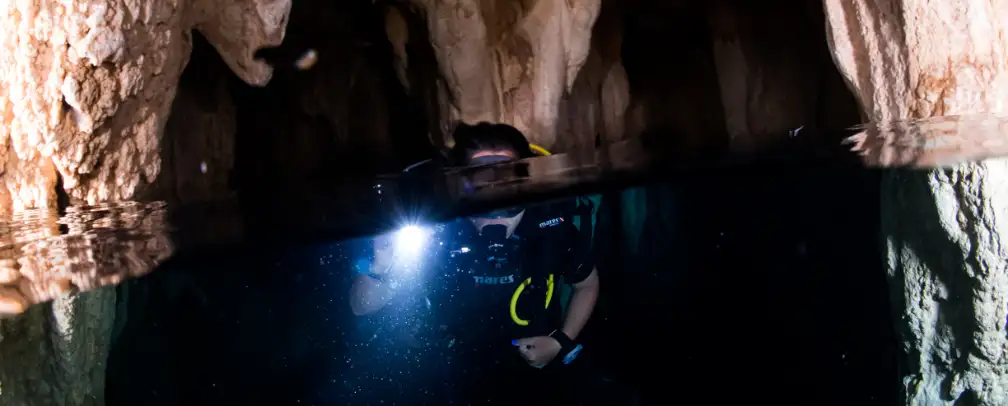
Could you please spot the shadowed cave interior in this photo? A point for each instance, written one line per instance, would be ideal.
(767, 284)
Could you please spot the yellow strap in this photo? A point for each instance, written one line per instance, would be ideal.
(549, 290)
(517, 293)
(540, 150)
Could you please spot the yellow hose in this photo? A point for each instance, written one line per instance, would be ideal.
(549, 291)
(528, 281)
(540, 150)
(517, 293)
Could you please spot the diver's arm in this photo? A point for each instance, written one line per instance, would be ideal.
(368, 293)
(582, 303)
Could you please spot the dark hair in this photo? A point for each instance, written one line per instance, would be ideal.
(485, 136)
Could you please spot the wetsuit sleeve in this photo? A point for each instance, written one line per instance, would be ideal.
(580, 260)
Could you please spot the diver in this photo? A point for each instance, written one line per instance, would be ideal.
(494, 287)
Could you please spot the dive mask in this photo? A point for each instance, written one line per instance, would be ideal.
(480, 177)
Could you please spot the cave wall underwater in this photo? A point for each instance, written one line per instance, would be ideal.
(942, 227)
(85, 91)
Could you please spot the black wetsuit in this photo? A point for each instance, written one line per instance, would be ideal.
(472, 296)
(446, 337)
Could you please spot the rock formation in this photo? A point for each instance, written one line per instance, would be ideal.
(86, 89)
(85, 92)
(54, 353)
(946, 260)
(503, 61)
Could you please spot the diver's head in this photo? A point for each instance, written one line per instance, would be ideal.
(485, 144)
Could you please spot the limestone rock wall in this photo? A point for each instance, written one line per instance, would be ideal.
(417, 68)
(85, 92)
(87, 87)
(595, 106)
(503, 61)
(198, 144)
(741, 77)
(773, 71)
(55, 352)
(943, 228)
(731, 74)
(345, 115)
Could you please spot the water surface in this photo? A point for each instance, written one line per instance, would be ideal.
(749, 261)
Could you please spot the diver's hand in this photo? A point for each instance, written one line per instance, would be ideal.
(369, 292)
(538, 351)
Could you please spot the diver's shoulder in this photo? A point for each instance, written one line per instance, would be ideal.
(551, 216)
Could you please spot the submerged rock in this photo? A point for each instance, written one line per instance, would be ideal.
(943, 228)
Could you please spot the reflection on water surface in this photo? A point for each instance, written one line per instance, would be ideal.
(44, 254)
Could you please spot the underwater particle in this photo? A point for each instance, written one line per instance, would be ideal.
(307, 60)
(203, 167)
(802, 249)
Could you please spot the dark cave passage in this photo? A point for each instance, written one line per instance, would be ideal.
(774, 274)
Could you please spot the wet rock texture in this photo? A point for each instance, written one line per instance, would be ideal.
(85, 92)
(87, 87)
(943, 228)
(55, 352)
(501, 60)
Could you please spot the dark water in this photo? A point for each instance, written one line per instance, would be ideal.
(733, 283)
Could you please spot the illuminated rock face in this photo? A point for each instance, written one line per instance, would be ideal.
(85, 91)
(943, 228)
(502, 61)
(87, 87)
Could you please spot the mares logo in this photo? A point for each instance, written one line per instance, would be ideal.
(494, 280)
(551, 222)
